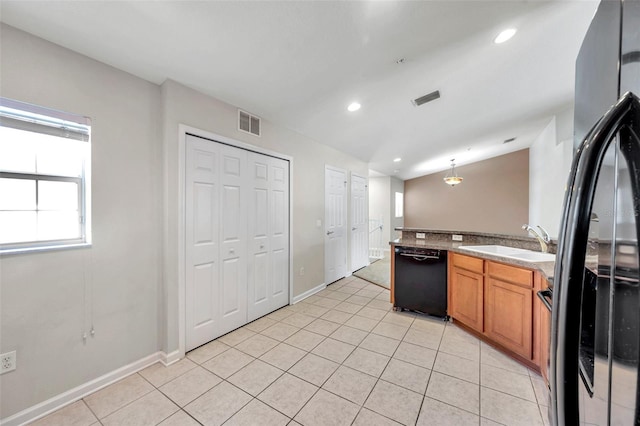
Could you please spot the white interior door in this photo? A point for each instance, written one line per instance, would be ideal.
(268, 212)
(359, 222)
(233, 229)
(202, 249)
(335, 219)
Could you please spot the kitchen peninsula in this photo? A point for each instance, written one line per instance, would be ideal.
(489, 295)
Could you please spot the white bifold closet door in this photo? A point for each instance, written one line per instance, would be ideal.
(202, 248)
(233, 241)
(237, 238)
(268, 234)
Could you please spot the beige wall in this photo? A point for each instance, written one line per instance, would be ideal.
(494, 197)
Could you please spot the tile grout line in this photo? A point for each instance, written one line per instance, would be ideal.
(314, 316)
(130, 402)
(361, 406)
(430, 374)
(90, 410)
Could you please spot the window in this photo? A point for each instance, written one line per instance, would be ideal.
(399, 204)
(45, 159)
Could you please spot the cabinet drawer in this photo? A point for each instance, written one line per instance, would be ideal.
(469, 263)
(522, 277)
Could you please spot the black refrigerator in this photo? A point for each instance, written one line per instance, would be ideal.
(595, 327)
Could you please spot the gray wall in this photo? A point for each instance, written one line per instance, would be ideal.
(126, 284)
(183, 105)
(550, 157)
(49, 299)
(382, 204)
(493, 198)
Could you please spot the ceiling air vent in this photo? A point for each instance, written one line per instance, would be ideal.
(426, 98)
(248, 123)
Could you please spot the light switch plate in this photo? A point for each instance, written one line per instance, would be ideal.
(456, 237)
(420, 235)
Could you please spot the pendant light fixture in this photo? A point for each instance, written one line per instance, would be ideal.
(452, 178)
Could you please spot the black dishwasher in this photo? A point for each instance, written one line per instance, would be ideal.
(420, 280)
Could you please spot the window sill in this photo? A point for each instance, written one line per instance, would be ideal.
(45, 248)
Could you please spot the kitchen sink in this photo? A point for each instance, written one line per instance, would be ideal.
(512, 253)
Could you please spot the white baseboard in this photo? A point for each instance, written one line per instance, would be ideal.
(308, 293)
(52, 404)
(168, 359)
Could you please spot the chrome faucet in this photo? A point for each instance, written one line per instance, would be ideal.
(542, 237)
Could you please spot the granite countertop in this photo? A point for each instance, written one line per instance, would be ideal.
(468, 233)
(545, 268)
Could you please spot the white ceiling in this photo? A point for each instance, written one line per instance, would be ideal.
(300, 63)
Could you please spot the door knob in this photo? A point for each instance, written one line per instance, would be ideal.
(329, 232)
(354, 228)
(261, 246)
(232, 251)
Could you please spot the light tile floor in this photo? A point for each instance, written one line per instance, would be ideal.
(341, 357)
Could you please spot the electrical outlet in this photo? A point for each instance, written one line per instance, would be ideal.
(7, 362)
(456, 237)
(420, 235)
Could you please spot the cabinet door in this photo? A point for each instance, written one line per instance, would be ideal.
(545, 331)
(508, 316)
(466, 298)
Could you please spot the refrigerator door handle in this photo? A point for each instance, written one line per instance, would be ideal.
(570, 262)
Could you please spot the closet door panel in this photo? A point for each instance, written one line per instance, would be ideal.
(202, 242)
(258, 226)
(279, 232)
(233, 231)
(237, 238)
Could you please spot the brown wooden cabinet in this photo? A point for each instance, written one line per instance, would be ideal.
(508, 319)
(499, 301)
(466, 291)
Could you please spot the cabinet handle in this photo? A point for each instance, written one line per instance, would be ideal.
(329, 232)
(545, 296)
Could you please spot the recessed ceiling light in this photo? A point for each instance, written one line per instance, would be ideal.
(397, 160)
(354, 106)
(504, 35)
